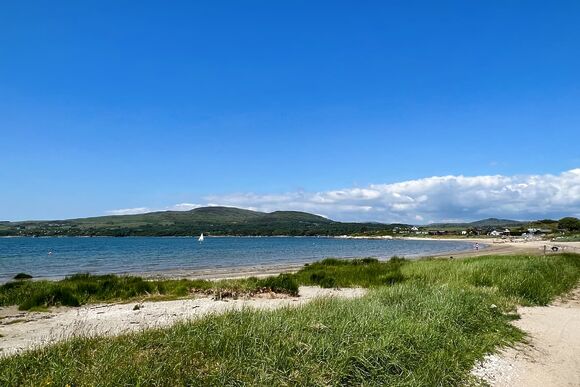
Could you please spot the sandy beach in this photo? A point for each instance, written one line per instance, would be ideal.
(224, 272)
(507, 247)
(551, 356)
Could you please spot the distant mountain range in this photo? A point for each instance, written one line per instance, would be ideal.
(219, 221)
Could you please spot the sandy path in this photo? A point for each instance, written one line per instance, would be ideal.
(25, 330)
(552, 356)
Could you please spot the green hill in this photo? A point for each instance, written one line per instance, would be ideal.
(233, 221)
(494, 222)
(484, 223)
(209, 220)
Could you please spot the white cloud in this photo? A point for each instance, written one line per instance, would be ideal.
(130, 211)
(432, 198)
(143, 210)
(183, 207)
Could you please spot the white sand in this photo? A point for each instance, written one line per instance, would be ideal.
(26, 330)
(552, 356)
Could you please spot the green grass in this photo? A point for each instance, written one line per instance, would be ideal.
(22, 276)
(568, 238)
(403, 335)
(365, 272)
(81, 289)
(426, 328)
(528, 280)
(535, 280)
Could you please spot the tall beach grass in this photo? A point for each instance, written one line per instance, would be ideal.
(81, 289)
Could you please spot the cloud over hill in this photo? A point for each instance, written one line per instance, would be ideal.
(431, 199)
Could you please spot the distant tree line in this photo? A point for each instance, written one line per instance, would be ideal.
(274, 229)
(569, 223)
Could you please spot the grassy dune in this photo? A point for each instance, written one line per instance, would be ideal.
(82, 289)
(86, 288)
(422, 323)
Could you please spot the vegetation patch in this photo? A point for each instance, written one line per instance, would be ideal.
(365, 272)
(530, 280)
(398, 335)
(22, 276)
(81, 289)
(426, 328)
(284, 283)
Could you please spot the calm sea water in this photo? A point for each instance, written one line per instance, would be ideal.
(139, 255)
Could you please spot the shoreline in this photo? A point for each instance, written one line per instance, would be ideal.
(217, 270)
(507, 247)
(487, 246)
(214, 274)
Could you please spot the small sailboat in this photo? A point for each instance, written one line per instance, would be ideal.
(200, 238)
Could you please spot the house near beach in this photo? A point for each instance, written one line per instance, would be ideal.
(504, 232)
(438, 232)
(536, 231)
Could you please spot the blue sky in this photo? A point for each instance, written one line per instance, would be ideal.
(116, 105)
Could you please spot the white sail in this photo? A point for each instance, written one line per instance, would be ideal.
(201, 238)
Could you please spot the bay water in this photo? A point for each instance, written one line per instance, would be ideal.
(58, 257)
